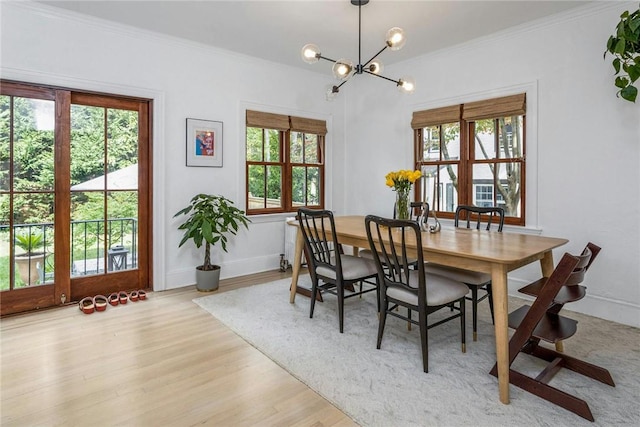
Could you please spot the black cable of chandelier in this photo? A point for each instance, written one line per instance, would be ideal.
(343, 69)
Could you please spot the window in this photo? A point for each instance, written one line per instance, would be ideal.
(284, 162)
(476, 151)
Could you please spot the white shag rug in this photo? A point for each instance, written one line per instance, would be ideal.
(387, 387)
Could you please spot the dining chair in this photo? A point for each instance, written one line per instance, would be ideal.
(480, 218)
(401, 286)
(416, 212)
(542, 321)
(332, 271)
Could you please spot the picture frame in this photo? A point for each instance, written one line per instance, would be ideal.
(204, 143)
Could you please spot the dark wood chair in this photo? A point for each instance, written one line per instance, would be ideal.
(402, 286)
(416, 210)
(542, 321)
(480, 218)
(332, 271)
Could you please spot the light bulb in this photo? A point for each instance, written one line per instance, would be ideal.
(395, 38)
(376, 67)
(310, 53)
(342, 69)
(406, 85)
(331, 92)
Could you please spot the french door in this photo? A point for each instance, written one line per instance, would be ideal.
(74, 195)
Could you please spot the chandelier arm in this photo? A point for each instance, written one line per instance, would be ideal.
(382, 77)
(326, 59)
(375, 56)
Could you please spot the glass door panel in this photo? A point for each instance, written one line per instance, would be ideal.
(104, 190)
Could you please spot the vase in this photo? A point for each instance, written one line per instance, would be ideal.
(402, 203)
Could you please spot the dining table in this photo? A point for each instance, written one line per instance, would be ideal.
(496, 253)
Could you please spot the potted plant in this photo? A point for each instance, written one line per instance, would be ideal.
(624, 45)
(30, 263)
(210, 218)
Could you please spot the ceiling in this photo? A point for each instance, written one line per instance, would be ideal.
(277, 30)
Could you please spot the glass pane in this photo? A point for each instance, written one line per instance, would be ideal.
(5, 122)
(297, 147)
(87, 233)
(451, 141)
(122, 230)
(87, 148)
(257, 196)
(485, 139)
(447, 191)
(298, 186)
(254, 144)
(431, 143)
(510, 137)
(122, 149)
(4, 242)
(506, 194)
(311, 154)
(274, 186)
(313, 186)
(33, 239)
(272, 149)
(33, 140)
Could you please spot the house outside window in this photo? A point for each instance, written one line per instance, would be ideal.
(284, 163)
(476, 152)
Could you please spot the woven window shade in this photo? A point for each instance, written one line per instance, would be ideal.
(514, 105)
(299, 124)
(258, 119)
(436, 116)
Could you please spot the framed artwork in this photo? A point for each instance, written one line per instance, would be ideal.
(204, 143)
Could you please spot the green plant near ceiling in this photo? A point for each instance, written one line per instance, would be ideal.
(624, 45)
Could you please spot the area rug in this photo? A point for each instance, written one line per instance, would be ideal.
(387, 387)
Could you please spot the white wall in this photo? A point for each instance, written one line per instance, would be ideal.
(583, 179)
(50, 46)
(584, 184)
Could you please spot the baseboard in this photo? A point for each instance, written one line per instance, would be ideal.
(186, 276)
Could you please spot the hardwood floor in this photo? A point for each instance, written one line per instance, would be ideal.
(162, 361)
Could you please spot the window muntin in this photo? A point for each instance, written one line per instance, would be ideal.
(478, 159)
(285, 167)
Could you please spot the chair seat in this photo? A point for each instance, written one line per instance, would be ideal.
(353, 268)
(465, 276)
(440, 290)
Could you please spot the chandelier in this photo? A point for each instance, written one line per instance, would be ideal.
(343, 69)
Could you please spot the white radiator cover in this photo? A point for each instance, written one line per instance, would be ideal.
(290, 233)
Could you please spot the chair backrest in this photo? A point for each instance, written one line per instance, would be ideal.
(318, 230)
(388, 242)
(485, 216)
(415, 210)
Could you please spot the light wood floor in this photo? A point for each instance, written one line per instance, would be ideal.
(159, 362)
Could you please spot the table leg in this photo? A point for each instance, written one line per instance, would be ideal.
(546, 264)
(297, 260)
(500, 313)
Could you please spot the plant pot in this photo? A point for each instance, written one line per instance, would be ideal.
(207, 280)
(31, 267)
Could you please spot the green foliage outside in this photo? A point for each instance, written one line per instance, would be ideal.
(265, 181)
(99, 137)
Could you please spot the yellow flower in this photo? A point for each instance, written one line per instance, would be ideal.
(402, 179)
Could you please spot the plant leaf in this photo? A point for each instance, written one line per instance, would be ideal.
(622, 82)
(629, 93)
(616, 65)
(619, 48)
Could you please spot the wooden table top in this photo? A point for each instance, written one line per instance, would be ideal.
(494, 247)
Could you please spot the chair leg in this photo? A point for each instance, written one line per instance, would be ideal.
(340, 289)
(490, 297)
(474, 303)
(463, 325)
(381, 321)
(314, 294)
(424, 337)
(409, 321)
